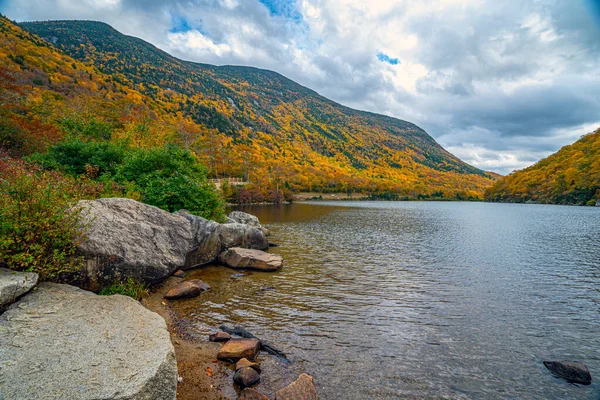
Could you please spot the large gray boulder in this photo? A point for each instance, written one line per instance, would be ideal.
(14, 284)
(129, 239)
(242, 235)
(240, 217)
(207, 242)
(61, 342)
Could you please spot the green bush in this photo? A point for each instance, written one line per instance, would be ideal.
(39, 228)
(130, 287)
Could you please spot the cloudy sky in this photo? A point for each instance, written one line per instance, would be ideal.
(500, 84)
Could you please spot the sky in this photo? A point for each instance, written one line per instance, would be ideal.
(500, 84)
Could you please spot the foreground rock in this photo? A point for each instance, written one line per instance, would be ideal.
(129, 239)
(574, 372)
(61, 342)
(235, 349)
(206, 240)
(302, 388)
(242, 235)
(251, 394)
(219, 337)
(188, 289)
(246, 377)
(251, 259)
(14, 284)
(244, 362)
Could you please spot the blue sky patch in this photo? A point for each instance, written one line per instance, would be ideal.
(180, 24)
(387, 59)
(283, 8)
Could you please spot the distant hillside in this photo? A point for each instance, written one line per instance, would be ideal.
(569, 176)
(252, 123)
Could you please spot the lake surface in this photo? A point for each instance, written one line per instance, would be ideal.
(389, 300)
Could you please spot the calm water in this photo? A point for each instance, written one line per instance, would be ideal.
(388, 300)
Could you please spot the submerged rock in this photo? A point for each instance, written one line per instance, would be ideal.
(574, 372)
(302, 388)
(14, 284)
(129, 239)
(251, 394)
(219, 337)
(188, 289)
(61, 342)
(235, 349)
(246, 377)
(251, 259)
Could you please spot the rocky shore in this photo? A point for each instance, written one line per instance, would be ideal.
(61, 341)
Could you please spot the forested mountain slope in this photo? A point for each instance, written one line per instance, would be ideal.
(247, 122)
(569, 176)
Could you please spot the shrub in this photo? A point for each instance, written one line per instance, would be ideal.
(39, 228)
(130, 287)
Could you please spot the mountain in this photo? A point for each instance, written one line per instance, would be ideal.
(569, 176)
(257, 124)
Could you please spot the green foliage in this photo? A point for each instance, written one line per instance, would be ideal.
(91, 128)
(75, 156)
(172, 179)
(130, 287)
(39, 228)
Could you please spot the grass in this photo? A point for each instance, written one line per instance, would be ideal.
(130, 287)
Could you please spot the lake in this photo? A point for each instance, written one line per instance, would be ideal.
(388, 300)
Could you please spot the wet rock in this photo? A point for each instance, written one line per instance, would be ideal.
(251, 259)
(251, 394)
(179, 274)
(207, 242)
(574, 372)
(241, 235)
(265, 289)
(236, 349)
(273, 244)
(129, 239)
(302, 388)
(239, 275)
(244, 362)
(61, 342)
(188, 289)
(14, 284)
(246, 377)
(219, 337)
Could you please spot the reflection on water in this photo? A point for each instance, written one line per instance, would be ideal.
(386, 300)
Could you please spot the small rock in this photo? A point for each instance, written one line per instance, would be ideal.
(239, 275)
(219, 337)
(271, 244)
(302, 388)
(246, 377)
(14, 284)
(235, 349)
(237, 257)
(187, 289)
(244, 362)
(179, 274)
(574, 372)
(251, 394)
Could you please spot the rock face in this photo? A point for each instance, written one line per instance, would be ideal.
(235, 349)
(246, 377)
(574, 372)
(14, 284)
(238, 257)
(129, 239)
(241, 235)
(251, 394)
(302, 388)
(61, 342)
(188, 289)
(207, 242)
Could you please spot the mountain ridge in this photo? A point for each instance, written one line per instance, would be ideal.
(255, 108)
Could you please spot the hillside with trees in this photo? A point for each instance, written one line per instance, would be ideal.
(569, 176)
(247, 123)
